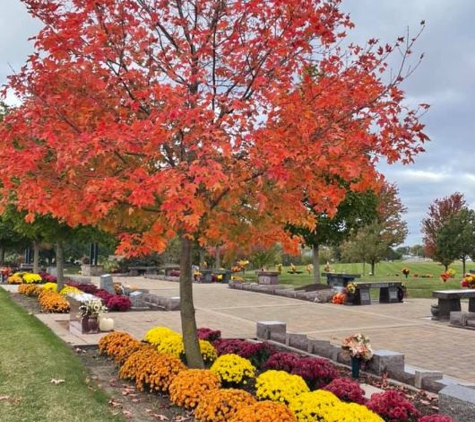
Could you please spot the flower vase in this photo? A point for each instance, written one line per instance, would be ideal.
(85, 324)
(93, 324)
(355, 367)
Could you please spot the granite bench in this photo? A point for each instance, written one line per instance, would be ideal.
(449, 301)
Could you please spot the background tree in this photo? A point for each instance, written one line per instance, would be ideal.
(357, 210)
(372, 242)
(438, 214)
(164, 119)
(10, 239)
(455, 238)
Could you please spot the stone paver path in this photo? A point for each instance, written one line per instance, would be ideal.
(404, 328)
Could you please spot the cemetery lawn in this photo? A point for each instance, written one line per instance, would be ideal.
(417, 286)
(41, 379)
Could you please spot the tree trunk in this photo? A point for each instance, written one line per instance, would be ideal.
(187, 308)
(202, 258)
(217, 261)
(59, 265)
(2, 255)
(464, 266)
(364, 267)
(372, 268)
(36, 257)
(316, 264)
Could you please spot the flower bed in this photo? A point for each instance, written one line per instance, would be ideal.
(204, 392)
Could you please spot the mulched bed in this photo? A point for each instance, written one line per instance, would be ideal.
(145, 407)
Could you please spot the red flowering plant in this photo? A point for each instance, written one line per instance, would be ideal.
(406, 271)
(119, 303)
(392, 406)
(282, 361)
(469, 281)
(208, 334)
(103, 294)
(436, 418)
(258, 353)
(347, 390)
(46, 277)
(316, 372)
(444, 276)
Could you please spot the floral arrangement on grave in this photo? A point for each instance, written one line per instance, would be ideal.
(351, 288)
(469, 281)
(358, 346)
(406, 271)
(92, 308)
(451, 272)
(444, 276)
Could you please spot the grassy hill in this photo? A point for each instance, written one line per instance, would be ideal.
(424, 276)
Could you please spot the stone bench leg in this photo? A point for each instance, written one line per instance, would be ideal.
(471, 304)
(448, 305)
(388, 295)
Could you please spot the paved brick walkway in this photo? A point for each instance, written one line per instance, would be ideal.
(404, 328)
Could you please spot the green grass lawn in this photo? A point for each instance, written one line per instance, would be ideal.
(418, 287)
(30, 357)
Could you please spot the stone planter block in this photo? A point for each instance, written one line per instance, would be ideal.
(266, 328)
(458, 402)
(386, 361)
(297, 341)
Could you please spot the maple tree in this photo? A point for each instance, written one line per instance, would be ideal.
(448, 230)
(206, 120)
(372, 242)
(440, 211)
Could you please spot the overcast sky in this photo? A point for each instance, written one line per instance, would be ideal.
(445, 79)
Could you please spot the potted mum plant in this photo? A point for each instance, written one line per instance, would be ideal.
(359, 348)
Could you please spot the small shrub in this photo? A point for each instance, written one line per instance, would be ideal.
(208, 334)
(119, 346)
(173, 345)
(119, 303)
(190, 385)
(47, 278)
(14, 279)
(435, 418)
(316, 372)
(53, 287)
(227, 346)
(220, 405)
(392, 406)
(282, 361)
(151, 370)
(52, 302)
(313, 406)
(279, 386)
(30, 290)
(69, 289)
(157, 334)
(104, 295)
(233, 370)
(354, 413)
(31, 278)
(85, 287)
(264, 411)
(324, 406)
(257, 353)
(347, 390)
